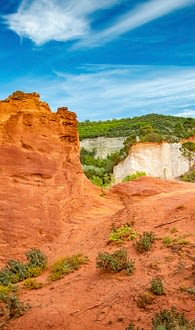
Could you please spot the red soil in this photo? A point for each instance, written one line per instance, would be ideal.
(89, 298)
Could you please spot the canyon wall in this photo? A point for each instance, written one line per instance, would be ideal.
(40, 173)
(162, 160)
(103, 145)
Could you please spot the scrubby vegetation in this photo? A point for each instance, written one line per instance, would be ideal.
(115, 262)
(17, 271)
(167, 320)
(171, 320)
(188, 151)
(32, 284)
(170, 241)
(151, 127)
(134, 176)
(11, 306)
(66, 265)
(122, 233)
(188, 176)
(98, 170)
(145, 242)
(157, 286)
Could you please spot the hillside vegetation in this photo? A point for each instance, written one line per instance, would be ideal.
(149, 128)
(152, 126)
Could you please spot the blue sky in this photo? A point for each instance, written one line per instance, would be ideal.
(103, 59)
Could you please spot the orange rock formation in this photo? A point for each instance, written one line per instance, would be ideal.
(40, 171)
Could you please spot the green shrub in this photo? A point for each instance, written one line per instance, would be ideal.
(13, 307)
(167, 241)
(32, 284)
(126, 232)
(6, 289)
(170, 320)
(36, 258)
(16, 271)
(115, 262)
(66, 265)
(34, 271)
(13, 272)
(97, 181)
(188, 290)
(189, 176)
(134, 176)
(145, 242)
(157, 286)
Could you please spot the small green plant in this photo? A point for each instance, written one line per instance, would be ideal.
(189, 176)
(36, 258)
(157, 286)
(170, 320)
(173, 230)
(167, 241)
(115, 262)
(67, 265)
(32, 284)
(188, 290)
(170, 241)
(181, 241)
(145, 242)
(6, 289)
(126, 232)
(13, 307)
(134, 176)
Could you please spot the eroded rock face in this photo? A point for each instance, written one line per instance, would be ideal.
(162, 160)
(40, 171)
(104, 146)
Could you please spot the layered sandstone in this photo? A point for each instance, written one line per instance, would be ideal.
(40, 172)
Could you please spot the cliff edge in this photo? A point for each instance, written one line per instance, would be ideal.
(40, 171)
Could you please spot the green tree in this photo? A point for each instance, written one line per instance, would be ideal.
(188, 151)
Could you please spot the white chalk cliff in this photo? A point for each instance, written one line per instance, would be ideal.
(162, 160)
(104, 146)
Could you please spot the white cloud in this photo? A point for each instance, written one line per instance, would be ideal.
(64, 20)
(142, 14)
(186, 113)
(42, 20)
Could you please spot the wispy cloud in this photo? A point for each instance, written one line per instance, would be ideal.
(186, 113)
(142, 14)
(42, 20)
(104, 92)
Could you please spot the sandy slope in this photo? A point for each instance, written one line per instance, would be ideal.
(88, 299)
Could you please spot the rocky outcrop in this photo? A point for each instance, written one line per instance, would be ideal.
(162, 160)
(103, 146)
(40, 172)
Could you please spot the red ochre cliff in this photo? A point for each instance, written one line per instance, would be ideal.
(40, 170)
